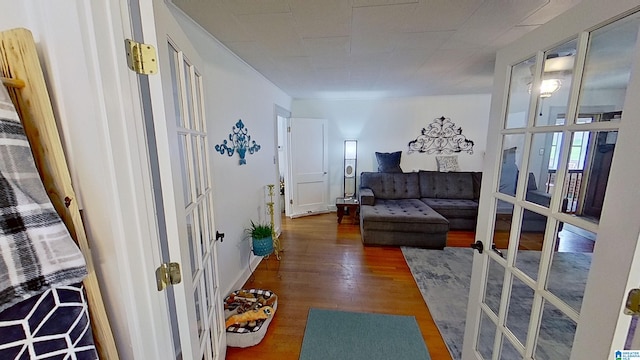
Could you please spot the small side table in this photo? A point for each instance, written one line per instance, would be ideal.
(351, 205)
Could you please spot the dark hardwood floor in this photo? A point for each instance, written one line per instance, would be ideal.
(325, 265)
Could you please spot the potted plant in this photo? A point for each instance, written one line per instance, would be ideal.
(262, 240)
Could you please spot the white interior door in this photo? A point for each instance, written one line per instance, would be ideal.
(558, 179)
(309, 167)
(176, 98)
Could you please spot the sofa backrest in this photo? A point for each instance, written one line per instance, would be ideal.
(449, 185)
(391, 185)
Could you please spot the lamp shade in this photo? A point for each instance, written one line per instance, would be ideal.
(350, 149)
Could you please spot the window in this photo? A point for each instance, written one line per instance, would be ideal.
(579, 145)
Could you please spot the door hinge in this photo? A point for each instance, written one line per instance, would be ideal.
(288, 128)
(168, 274)
(141, 58)
(291, 201)
(632, 307)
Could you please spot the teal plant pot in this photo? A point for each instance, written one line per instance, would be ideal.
(263, 247)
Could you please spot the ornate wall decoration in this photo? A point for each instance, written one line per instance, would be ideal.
(442, 136)
(238, 142)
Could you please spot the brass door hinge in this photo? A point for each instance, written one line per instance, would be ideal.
(141, 58)
(632, 307)
(168, 274)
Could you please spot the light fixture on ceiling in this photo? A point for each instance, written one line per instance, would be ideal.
(555, 67)
(548, 87)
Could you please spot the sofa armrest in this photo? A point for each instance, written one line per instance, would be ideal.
(366, 196)
(538, 197)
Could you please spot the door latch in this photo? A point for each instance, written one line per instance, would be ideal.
(168, 274)
(478, 245)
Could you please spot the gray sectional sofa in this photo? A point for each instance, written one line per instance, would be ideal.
(417, 208)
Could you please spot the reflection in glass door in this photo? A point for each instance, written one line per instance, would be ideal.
(557, 145)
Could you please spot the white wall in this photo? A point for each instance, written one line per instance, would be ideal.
(86, 72)
(387, 125)
(236, 91)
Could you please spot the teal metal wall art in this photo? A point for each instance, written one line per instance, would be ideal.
(238, 142)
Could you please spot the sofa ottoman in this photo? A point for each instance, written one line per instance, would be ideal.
(403, 222)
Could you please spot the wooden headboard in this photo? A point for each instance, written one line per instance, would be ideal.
(21, 72)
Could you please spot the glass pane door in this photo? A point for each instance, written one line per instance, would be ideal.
(558, 139)
(198, 202)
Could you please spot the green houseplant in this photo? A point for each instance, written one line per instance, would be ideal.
(262, 240)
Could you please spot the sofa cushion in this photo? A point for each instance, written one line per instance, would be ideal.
(389, 162)
(449, 185)
(453, 208)
(407, 215)
(391, 185)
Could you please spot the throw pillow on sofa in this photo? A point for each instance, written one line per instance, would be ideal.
(447, 163)
(389, 162)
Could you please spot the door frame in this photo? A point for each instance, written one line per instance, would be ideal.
(613, 268)
(137, 311)
(285, 165)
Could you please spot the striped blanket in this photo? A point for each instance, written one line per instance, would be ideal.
(36, 250)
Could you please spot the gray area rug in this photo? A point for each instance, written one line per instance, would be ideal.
(443, 277)
(344, 335)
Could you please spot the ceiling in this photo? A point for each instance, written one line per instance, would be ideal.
(372, 48)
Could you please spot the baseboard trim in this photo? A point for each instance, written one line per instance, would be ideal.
(246, 274)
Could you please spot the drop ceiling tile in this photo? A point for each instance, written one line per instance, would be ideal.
(440, 15)
(332, 75)
(321, 18)
(275, 32)
(381, 19)
(327, 46)
(371, 43)
(492, 19)
(214, 20)
(297, 66)
(406, 62)
(445, 61)
(410, 47)
(552, 9)
(241, 7)
(365, 3)
(430, 40)
(511, 35)
(328, 61)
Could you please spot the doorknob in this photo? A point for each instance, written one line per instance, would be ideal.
(478, 245)
(219, 236)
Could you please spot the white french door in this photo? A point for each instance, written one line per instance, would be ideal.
(175, 97)
(560, 178)
(308, 152)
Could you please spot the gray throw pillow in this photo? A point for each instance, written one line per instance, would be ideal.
(389, 162)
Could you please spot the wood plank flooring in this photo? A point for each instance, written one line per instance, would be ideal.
(325, 265)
